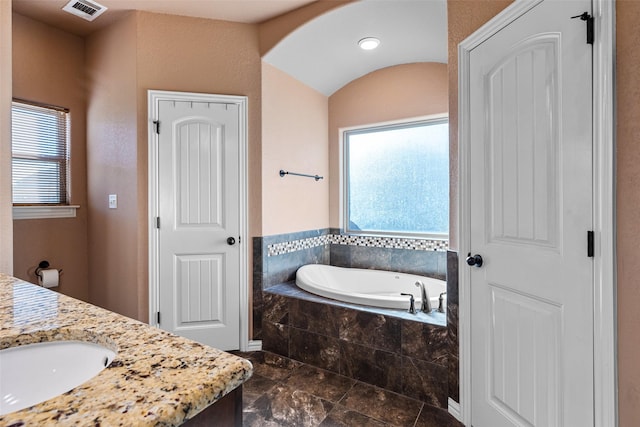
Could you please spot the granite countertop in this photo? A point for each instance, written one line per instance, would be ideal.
(156, 378)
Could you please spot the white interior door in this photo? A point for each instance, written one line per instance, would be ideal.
(199, 221)
(531, 209)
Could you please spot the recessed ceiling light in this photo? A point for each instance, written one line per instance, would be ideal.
(368, 43)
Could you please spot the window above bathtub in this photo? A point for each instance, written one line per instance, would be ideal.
(40, 161)
(395, 178)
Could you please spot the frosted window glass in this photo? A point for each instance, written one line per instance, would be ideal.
(397, 179)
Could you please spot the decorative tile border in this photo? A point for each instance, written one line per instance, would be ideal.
(354, 240)
(297, 245)
(390, 242)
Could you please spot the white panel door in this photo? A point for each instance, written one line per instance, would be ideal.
(199, 215)
(531, 209)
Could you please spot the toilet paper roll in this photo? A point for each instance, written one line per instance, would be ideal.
(49, 278)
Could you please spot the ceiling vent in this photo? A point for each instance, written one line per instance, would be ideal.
(87, 10)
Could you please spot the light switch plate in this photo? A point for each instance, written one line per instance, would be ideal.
(113, 201)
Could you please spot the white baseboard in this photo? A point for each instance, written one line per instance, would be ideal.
(254, 345)
(454, 409)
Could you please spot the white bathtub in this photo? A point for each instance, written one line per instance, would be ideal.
(367, 287)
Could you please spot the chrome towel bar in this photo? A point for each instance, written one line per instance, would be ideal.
(316, 177)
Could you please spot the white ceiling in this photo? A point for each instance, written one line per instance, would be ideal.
(324, 53)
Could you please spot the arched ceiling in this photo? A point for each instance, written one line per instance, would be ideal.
(324, 53)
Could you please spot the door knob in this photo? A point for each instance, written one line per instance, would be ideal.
(474, 260)
(231, 241)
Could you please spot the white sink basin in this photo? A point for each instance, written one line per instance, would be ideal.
(33, 373)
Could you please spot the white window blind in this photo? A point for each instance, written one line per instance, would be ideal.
(40, 154)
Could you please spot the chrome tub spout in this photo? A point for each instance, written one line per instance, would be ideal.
(426, 303)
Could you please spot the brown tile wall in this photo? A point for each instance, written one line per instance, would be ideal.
(453, 363)
(403, 356)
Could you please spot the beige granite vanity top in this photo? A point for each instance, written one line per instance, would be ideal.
(156, 378)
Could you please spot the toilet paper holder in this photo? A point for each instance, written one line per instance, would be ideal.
(43, 265)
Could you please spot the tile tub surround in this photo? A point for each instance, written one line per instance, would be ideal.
(156, 378)
(280, 256)
(452, 326)
(277, 258)
(388, 349)
(271, 270)
(424, 257)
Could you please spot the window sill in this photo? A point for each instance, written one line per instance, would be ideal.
(44, 212)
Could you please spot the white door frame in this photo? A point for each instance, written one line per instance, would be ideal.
(154, 97)
(604, 309)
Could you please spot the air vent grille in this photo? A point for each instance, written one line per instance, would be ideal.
(85, 9)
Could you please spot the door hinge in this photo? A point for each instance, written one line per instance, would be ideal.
(586, 16)
(157, 222)
(156, 124)
(590, 246)
(158, 317)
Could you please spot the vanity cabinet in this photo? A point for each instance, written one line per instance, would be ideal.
(226, 412)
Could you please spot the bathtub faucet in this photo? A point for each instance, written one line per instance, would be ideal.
(412, 307)
(441, 302)
(426, 304)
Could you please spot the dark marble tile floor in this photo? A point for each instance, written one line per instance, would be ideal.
(288, 393)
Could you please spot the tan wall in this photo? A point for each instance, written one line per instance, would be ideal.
(628, 201)
(6, 218)
(112, 167)
(294, 138)
(48, 67)
(399, 92)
